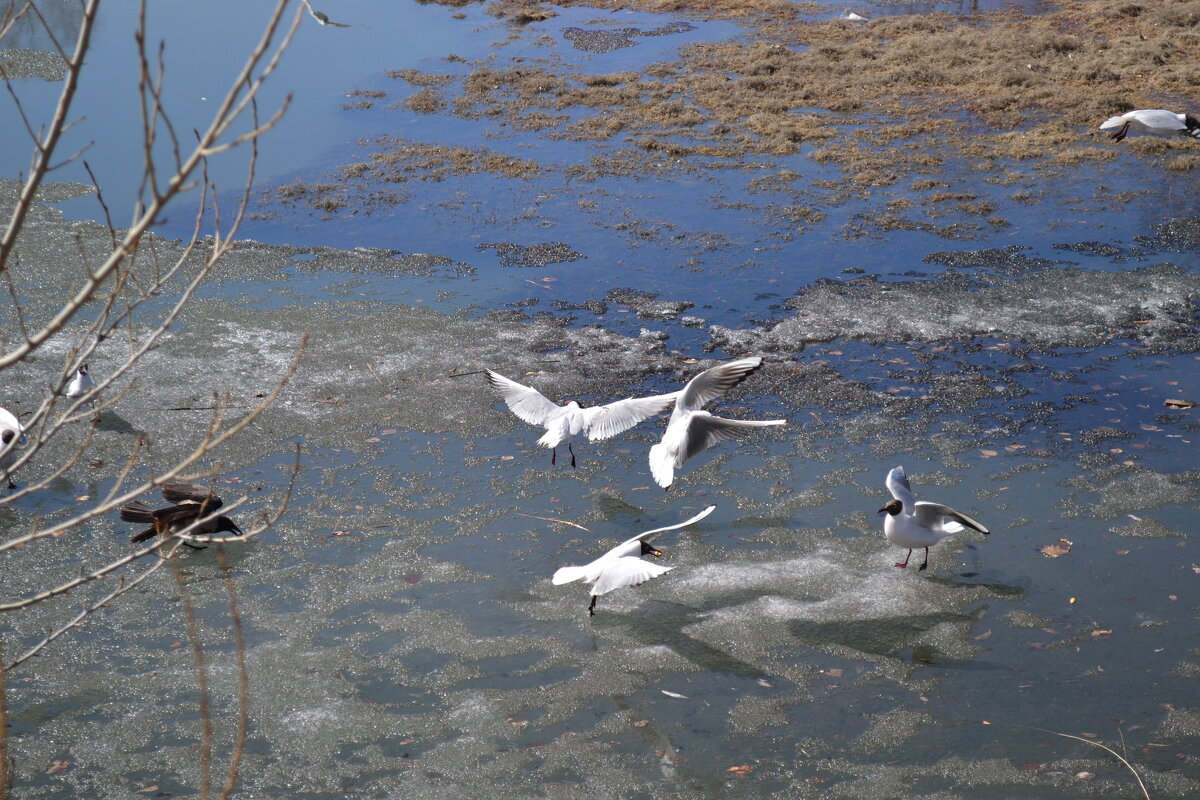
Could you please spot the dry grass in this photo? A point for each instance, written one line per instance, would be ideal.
(887, 103)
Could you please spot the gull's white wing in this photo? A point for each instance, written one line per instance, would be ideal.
(604, 422)
(897, 484)
(932, 515)
(568, 574)
(1112, 123)
(705, 430)
(1158, 118)
(626, 571)
(716, 381)
(526, 402)
(645, 535)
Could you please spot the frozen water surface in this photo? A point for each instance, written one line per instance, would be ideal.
(402, 633)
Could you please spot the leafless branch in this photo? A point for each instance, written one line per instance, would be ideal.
(123, 587)
(206, 729)
(45, 147)
(239, 642)
(3, 729)
(243, 90)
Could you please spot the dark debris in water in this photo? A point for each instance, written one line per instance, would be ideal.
(1103, 249)
(424, 264)
(377, 260)
(607, 40)
(647, 305)
(1010, 260)
(1176, 235)
(594, 306)
(534, 255)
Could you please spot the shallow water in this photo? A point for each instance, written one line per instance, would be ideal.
(402, 632)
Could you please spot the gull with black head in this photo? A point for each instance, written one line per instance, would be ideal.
(622, 566)
(915, 523)
(81, 383)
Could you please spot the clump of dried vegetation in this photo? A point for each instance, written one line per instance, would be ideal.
(885, 103)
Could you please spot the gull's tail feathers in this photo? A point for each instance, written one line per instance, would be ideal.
(568, 574)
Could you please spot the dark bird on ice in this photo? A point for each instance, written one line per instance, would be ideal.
(190, 503)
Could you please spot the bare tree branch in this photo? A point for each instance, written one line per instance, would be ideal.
(206, 729)
(45, 148)
(239, 642)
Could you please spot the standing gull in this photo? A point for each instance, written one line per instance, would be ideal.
(622, 566)
(192, 502)
(913, 524)
(563, 423)
(692, 429)
(81, 384)
(1152, 120)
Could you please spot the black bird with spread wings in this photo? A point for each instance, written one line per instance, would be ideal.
(191, 502)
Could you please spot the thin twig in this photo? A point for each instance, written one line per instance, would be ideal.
(206, 728)
(382, 385)
(3, 729)
(552, 519)
(1102, 746)
(89, 609)
(239, 641)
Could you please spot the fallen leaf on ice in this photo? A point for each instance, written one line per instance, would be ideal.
(1061, 548)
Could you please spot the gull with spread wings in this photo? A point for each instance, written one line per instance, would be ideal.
(622, 566)
(564, 423)
(915, 523)
(691, 429)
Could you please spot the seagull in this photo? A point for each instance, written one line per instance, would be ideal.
(692, 429)
(914, 524)
(850, 16)
(11, 435)
(191, 501)
(81, 384)
(1153, 120)
(563, 423)
(622, 566)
